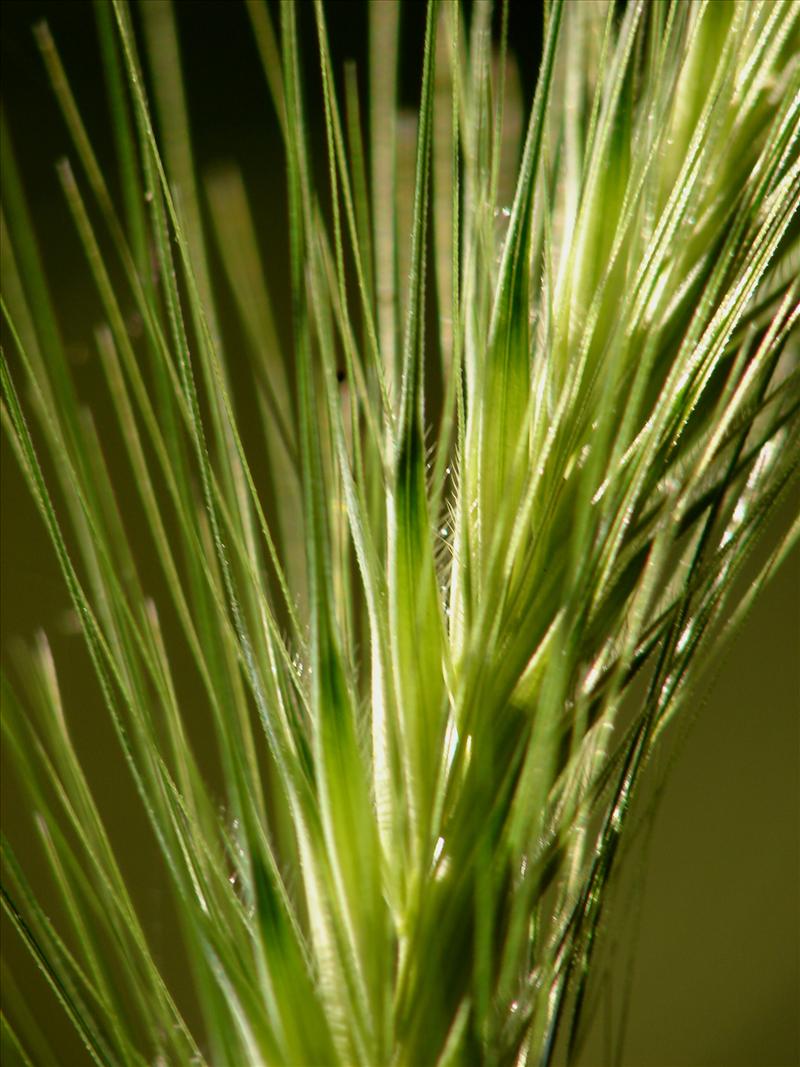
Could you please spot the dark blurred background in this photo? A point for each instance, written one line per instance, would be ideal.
(710, 910)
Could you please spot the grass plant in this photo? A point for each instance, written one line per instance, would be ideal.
(537, 408)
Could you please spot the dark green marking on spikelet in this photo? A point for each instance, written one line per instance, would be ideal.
(415, 606)
(347, 824)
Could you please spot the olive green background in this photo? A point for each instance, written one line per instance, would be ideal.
(713, 915)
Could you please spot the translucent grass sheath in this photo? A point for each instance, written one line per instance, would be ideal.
(512, 506)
